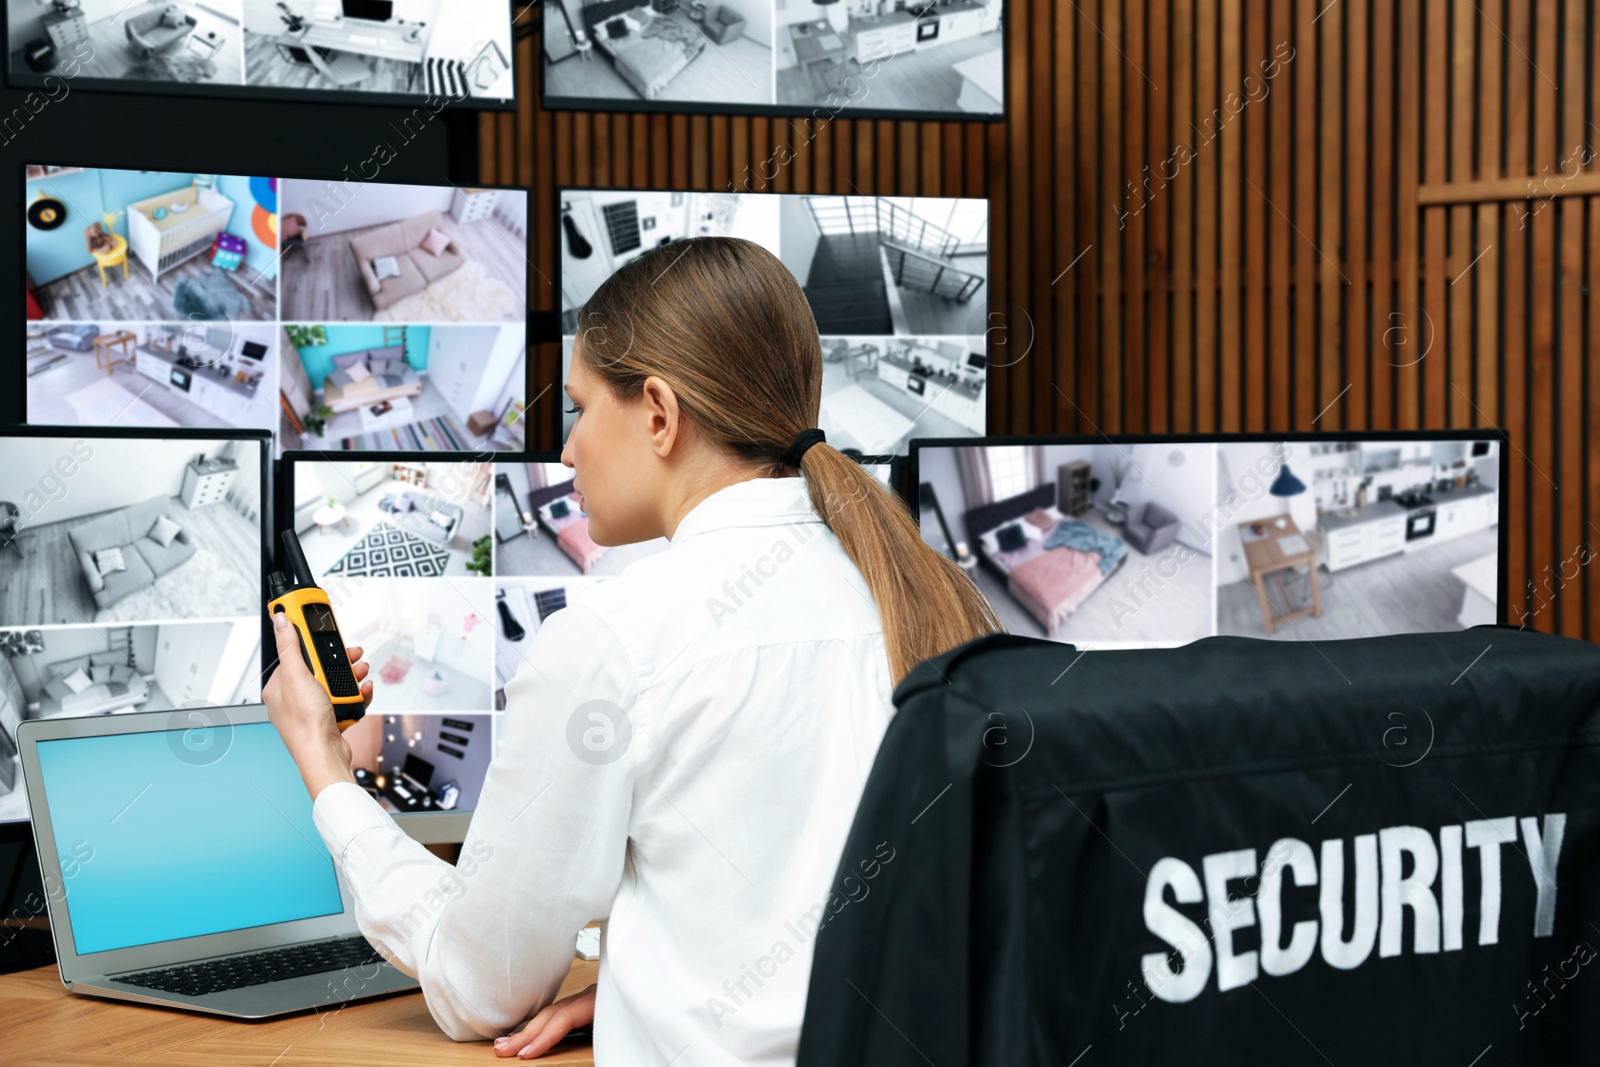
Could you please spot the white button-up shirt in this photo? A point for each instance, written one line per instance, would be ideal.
(681, 756)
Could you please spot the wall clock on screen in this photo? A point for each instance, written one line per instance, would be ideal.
(46, 213)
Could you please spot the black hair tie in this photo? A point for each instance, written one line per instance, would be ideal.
(805, 440)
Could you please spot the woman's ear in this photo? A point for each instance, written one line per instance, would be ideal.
(663, 419)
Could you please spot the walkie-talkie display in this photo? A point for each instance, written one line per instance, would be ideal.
(298, 597)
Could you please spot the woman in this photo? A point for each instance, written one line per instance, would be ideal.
(684, 748)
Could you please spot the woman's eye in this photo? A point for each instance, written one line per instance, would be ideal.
(573, 410)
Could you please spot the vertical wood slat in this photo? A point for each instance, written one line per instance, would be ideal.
(1206, 211)
(1356, 140)
(1273, 260)
(1230, 220)
(1063, 367)
(1514, 227)
(1330, 279)
(1088, 204)
(1108, 409)
(1045, 322)
(1255, 88)
(1435, 168)
(1303, 367)
(1540, 446)
(1463, 250)
(1133, 411)
(1385, 166)
(1591, 385)
(1569, 370)
(1408, 338)
(1183, 216)
(1158, 244)
(1486, 277)
(1280, 105)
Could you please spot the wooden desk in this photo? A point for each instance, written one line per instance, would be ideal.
(46, 1025)
(1263, 557)
(104, 358)
(809, 48)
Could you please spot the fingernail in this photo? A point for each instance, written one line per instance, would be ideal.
(279, 620)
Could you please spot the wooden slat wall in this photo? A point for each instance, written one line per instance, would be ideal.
(1231, 215)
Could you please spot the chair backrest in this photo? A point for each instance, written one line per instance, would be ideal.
(1152, 515)
(1237, 852)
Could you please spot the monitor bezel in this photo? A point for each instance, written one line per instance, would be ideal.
(1502, 535)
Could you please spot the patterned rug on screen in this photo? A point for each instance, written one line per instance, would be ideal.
(441, 434)
(389, 552)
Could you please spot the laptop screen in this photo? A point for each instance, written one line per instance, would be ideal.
(178, 833)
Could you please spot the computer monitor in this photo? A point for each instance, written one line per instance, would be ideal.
(418, 770)
(898, 287)
(340, 313)
(372, 10)
(870, 59)
(131, 575)
(1152, 541)
(435, 55)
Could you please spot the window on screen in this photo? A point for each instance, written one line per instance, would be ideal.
(1008, 470)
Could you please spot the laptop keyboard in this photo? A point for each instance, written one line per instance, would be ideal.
(257, 968)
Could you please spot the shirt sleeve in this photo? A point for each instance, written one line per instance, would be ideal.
(490, 939)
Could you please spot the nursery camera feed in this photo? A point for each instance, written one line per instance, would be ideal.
(342, 315)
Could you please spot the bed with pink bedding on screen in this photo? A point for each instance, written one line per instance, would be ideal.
(571, 532)
(1049, 583)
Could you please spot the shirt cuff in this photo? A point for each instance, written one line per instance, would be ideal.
(344, 810)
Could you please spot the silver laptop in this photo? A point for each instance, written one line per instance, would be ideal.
(181, 866)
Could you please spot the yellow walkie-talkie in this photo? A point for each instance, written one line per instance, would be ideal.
(306, 606)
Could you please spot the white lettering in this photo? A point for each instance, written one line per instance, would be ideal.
(1177, 930)
(1276, 960)
(1337, 951)
(1414, 890)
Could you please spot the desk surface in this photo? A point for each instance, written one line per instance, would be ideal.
(44, 1024)
(1266, 554)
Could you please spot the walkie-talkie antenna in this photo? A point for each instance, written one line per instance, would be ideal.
(295, 560)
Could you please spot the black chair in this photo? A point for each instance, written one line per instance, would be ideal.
(1237, 851)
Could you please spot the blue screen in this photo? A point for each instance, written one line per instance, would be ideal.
(178, 833)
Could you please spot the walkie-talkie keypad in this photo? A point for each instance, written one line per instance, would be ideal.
(335, 667)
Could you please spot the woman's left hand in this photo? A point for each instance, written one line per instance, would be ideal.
(547, 1029)
(303, 715)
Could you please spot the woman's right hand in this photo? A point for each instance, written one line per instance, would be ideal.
(548, 1027)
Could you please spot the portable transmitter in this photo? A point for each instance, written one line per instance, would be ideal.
(298, 597)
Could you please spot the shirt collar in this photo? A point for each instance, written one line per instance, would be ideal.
(755, 502)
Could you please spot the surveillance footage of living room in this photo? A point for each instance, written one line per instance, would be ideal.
(346, 314)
